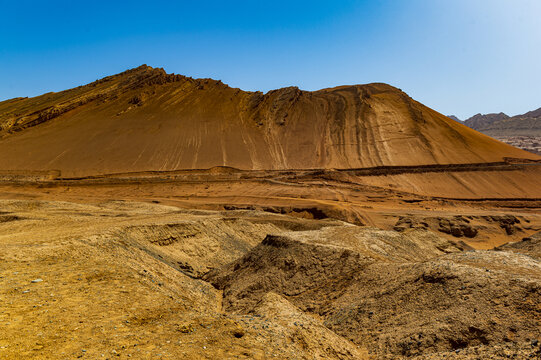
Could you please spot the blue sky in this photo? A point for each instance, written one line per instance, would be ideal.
(457, 56)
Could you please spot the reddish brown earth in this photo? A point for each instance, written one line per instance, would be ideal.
(144, 119)
(344, 195)
(167, 217)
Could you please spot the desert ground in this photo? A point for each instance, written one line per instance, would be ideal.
(232, 264)
(528, 143)
(149, 215)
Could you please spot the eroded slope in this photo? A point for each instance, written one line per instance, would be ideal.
(145, 119)
(389, 295)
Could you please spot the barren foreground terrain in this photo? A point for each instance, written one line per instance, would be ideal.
(298, 265)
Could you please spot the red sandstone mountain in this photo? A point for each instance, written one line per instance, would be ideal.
(145, 119)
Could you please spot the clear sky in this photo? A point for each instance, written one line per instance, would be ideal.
(457, 56)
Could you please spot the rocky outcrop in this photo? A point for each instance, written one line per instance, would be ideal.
(498, 125)
(457, 227)
(506, 222)
(480, 121)
(461, 226)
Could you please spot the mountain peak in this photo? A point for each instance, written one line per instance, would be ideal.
(500, 124)
(143, 75)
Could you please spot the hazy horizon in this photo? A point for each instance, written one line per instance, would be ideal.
(459, 58)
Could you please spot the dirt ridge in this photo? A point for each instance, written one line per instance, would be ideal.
(147, 120)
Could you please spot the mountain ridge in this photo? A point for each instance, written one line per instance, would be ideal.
(145, 119)
(501, 124)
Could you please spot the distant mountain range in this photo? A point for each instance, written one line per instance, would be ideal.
(500, 124)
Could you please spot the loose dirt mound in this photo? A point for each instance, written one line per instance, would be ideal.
(100, 281)
(379, 294)
(121, 278)
(307, 332)
(194, 247)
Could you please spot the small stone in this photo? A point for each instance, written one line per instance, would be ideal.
(26, 291)
(36, 281)
(186, 329)
(535, 342)
(238, 332)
